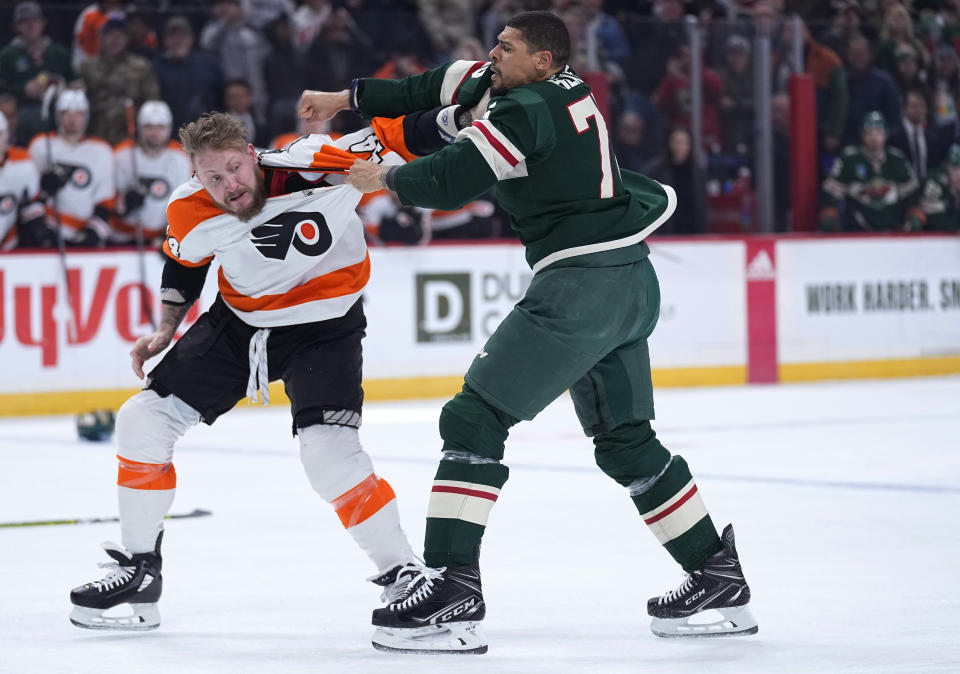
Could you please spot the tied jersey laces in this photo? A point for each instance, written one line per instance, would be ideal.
(425, 587)
(258, 380)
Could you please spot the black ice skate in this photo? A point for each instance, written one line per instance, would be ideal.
(439, 612)
(134, 580)
(395, 580)
(718, 587)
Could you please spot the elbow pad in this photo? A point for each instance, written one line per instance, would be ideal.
(181, 285)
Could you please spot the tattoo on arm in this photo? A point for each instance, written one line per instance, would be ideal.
(172, 315)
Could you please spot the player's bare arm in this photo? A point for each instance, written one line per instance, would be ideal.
(150, 345)
(366, 176)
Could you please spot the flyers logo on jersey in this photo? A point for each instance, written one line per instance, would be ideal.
(78, 176)
(306, 232)
(7, 203)
(158, 188)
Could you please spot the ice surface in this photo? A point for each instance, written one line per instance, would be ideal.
(844, 496)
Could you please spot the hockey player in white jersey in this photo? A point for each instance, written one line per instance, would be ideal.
(76, 174)
(148, 169)
(293, 263)
(21, 211)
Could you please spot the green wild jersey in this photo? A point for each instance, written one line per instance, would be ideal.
(940, 202)
(546, 148)
(876, 192)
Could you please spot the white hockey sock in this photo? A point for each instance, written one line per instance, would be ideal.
(141, 516)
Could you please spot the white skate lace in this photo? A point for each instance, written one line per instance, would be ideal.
(400, 587)
(425, 587)
(118, 575)
(673, 594)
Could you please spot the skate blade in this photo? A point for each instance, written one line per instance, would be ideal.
(460, 638)
(143, 617)
(736, 621)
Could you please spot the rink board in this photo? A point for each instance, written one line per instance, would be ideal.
(798, 309)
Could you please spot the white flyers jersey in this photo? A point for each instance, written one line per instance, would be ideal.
(19, 185)
(156, 176)
(87, 166)
(303, 258)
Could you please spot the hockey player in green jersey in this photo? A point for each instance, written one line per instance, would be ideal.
(938, 203)
(869, 185)
(582, 326)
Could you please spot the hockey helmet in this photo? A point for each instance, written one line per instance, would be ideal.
(72, 99)
(3, 123)
(96, 426)
(874, 120)
(155, 112)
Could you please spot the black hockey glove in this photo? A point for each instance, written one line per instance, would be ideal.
(51, 182)
(133, 199)
(405, 226)
(88, 237)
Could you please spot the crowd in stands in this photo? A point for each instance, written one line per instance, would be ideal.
(98, 161)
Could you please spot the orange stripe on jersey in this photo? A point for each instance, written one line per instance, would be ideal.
(390, 133)
(363, 501)
(136, 475)
(126, 227)
(65, 219)
(337, 283)
(18, 154)
(123, 145)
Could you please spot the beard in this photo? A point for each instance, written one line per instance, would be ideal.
(259, 195)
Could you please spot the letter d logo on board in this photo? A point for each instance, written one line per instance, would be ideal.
(443, 308)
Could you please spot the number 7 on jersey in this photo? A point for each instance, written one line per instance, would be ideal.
(580, 112)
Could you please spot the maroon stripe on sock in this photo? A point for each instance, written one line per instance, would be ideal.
(686, 497)
(467, 492)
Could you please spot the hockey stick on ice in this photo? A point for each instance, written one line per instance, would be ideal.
(197, 512)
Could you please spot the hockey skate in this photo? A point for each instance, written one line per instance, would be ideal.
(713, 601)
(396, 580)
(439, 612)
(133, 579)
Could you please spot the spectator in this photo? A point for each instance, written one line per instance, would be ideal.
(143, 39)
(76, 174)
(239, 48)
(938, 205)
(22, 213)
(635, 146)
(913, 137)
(945, 84)
(870, 89)
(823, 64)
(654, 41)
(114, 78)
(737, 100)
(30, 62)
(605, 44)
(678, 169)
(285, 71)
(846, 24)
(86, 31)
(673, 96)
(446, 23)
(870, 185)
(897, 32)
(308, 20)
(238, 101)
(495, 17)
(147, 172)
(907, 74)
(337, 53)
(780, 113)
(261, 13)
(190, 78)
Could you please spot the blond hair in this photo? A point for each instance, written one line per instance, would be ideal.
(213, 131)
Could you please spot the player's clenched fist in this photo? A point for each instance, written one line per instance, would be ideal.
(319, 106)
